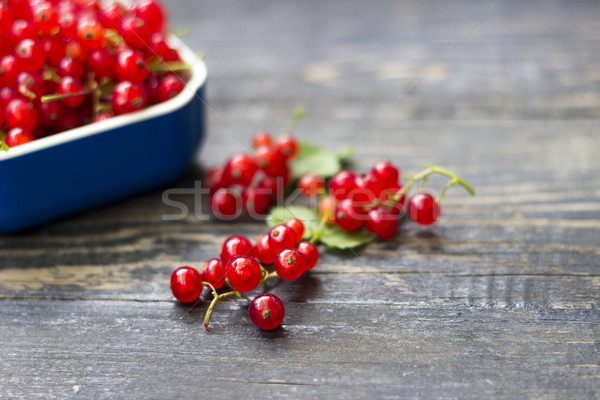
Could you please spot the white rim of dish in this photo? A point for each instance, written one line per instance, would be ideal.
(197, 80)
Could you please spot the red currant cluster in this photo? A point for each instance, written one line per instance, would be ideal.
(241, 266)
(375, 200)
(250, 183)
(65, 63)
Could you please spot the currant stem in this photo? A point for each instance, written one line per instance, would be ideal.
(169, 66)
(213, 303)
(54, 97)
(296, 118)
(317, 234)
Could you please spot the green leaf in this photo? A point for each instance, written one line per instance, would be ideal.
(310, 218)
(337, 238)
(315, 160)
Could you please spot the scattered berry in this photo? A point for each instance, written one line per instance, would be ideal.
(186, 284)
(310, 253)
(423, 209)
(266, 311)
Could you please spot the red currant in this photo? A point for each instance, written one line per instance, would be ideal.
(342, 184)
(282, 237)
(128, 97)
(243, 273)
(31, 55)
(6, 18)
(45, 17)
(102, 63)
(51, 113)
(382, 222)
(18, 136)
(311, 185)
(387, 173)
(240, 170)
(266, 311)
(135, 31)
(186, 284)
(423, 209)
(20, 113)
(256, 201)
(348, 216)
(235, 246)
(310, 253)
(153, 13)
(327, 205)
(368, 188)
(90, 33)
(70, 85)
(9, 70)
(297, 226)
(289, 264)
(68, 66)
(169, 87)
(288, 146)
(131, 66)
(262, 250)
(112, 14)
(262, 139)
(31, 85)
(226, 203)
(213, 272)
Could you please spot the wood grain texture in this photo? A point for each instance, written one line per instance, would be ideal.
(498, 300)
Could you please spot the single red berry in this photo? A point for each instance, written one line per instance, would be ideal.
(348, 216)
(186, 284)
(6, 18)
(243, 273)
(169, 87)
(131, 66)
(74, 49)
(311, 185)
(90, 33)
(423, 209)
(111, 15)
(20, 8)
(310, 252)
(31, 55)
(388, 194)
(289, 264)
(266, 311)
(368, 189)
(70, 85)
(54, 49)
(71, 119)
(386, 172)
(342, 184)
(20, 113)
(45, 17)
(240, 170)
(266, 156)
(153, 13)
(256, 201)
(213, 272)
(281, 237)
(235, 246)
(128, 97)
(226, 203)
(21, 29)
(135, 31)
(382, 222)
(102, 63)
(297, 226)
(9, 70)
(327, 205)
(18, 136)
(51, 112)
(262, 250)
(261, 139)
(272, 185)
(288, 146)
(31, 85)
(6, 95)
(67, 21)
(68, 66)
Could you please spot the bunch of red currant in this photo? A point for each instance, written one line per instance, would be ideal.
(65, 63)
(241, 266)
(250, 183)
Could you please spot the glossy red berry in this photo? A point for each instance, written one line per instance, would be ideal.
(310, 252)
(382, 222)
(240, 170)
(297, 226)
(288, 146)
(68, 66)
(423, 209)
(282, 237)
(311, 185)
(128, 97)
(348, 216)
(9, 70)
(262, 139)
(112, 14)
(90, 33)
(169, 87)
(226, 203)
(18, 136)
(243, 273)
(6, 18)
(70, 85)
(266, 311)
(256, 201)
(31, 55)
(131, 66)
(368, 189)
(289, 264)
(153, 13)
(102, 63)
(386, 172)
(262, 250)
(31, 85)
(342, 184)
(51, 112)
(135, 31)
(186, 284)
(235, 246)
(45, 17)
(20, 113)
(327, 205)
(213, 272)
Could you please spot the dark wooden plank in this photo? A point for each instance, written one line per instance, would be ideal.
(499, 299)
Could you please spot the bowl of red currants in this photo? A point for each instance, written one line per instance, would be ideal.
(97, 102)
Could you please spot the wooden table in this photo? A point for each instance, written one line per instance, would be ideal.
(498, 300)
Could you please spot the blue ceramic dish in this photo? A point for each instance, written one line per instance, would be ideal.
(85, 167)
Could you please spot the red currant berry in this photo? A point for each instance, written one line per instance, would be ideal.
(288, 146)
(327, 205)
(67, 21)
(262, 139)
(311, 185)
(240, 170)
(266, 156)
(128, 97)
(69, 85)
(169, 87)
(31, 55)
(382, 222)
(289, 264)
(226, 203)
(31, 85)
(310, 252)
(256, 201)
(112, 15)
(297, 226)
(153, 13)
(51, 113)
(281, 238)
(9, 70)
(45, 17)
(262, 250)
(102, 63)
(6, 18)
(235, 246)
(131, 66)
(342, 184)
(266, 311)
(90, 33)
(213, 272)
(272, 185)
(388, 193)
(368, 188)
(243, 273)
(68, 66)
(348, 216)
(18, 136)
(386, 173)
(423, 209)
(135, 31)
(20, 113)
(54, 49)
(186, 284)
